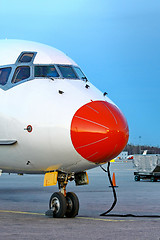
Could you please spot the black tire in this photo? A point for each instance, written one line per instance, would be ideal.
(137, 178)
(72, 205)
(58, 205)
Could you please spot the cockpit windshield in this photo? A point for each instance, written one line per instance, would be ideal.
(21, 73)
(67, 72)
(79, 73)
(4, 75)
(45, 71)
(58, 71)
(12, 75)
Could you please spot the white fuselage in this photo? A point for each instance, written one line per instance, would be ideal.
(48, 105)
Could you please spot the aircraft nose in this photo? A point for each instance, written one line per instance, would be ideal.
(99, 131)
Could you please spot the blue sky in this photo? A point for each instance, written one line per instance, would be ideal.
(116, 43)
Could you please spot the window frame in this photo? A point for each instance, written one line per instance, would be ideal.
(23, 80)
(18, 62)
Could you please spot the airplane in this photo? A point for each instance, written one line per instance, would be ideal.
(53, 121)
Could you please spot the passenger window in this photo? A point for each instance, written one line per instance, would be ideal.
(67, 72)
(26, 57)
(45, 71)
(4, 75)
(21, 73)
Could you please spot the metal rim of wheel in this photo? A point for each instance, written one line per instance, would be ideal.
(55, 204)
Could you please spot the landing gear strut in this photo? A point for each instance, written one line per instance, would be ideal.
(62, 203)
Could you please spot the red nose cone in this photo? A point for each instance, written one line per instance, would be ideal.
(99, 131)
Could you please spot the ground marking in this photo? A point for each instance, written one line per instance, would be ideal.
(85, 218)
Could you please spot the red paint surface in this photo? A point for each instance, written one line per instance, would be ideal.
(99, 131)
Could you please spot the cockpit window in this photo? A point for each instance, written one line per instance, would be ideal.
(79, 73)
(67, 72)
(26, 57)
(45, 71)
(21, 73)
(4, 75)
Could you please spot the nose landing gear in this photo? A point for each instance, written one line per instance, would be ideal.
(62, 203)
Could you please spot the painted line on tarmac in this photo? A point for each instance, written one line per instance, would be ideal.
(85, 218)
(19, 212)
(106, 220)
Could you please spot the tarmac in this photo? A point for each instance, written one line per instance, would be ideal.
(24, 201)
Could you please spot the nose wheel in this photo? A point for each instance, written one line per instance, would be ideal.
(61, 203)
(58, 204)
(72, 205)
(64, 206)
